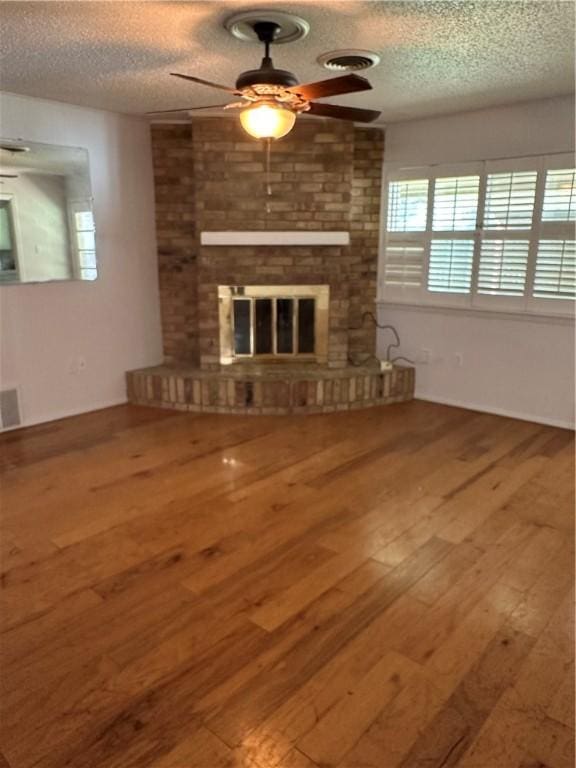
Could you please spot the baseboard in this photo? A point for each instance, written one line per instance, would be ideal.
(496, 411)
(65, 414)
(563, 424)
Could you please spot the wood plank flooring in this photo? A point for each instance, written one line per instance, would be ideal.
(390, 588)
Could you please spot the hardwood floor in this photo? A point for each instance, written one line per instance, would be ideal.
(390, 588)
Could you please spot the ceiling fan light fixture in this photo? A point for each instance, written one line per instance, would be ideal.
(272, 98)
(267, 121)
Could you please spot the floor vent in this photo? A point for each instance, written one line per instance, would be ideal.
(9, 409)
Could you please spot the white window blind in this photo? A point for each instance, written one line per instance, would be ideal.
(455, 203)
(555, 276)
(404, 265)
(450, 268)
(510, 200)
(408, 204)
(495, 235)
(503, 266)
(560, 196)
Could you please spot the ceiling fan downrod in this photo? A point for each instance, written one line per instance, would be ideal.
(266, 31)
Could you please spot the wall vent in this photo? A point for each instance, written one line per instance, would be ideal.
(9, 409)
(349, 61)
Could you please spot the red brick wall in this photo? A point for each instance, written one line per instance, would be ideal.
(211, 176)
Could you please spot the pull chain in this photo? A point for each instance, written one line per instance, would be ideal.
(268, 183)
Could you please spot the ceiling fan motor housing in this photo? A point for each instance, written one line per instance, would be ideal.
(266, 76)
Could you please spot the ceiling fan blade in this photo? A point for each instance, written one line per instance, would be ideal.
(335, 86)
(184, 109)
(205, 82)
(343, 113)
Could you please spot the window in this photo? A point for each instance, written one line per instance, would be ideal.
(455, 203)
(404, 266)
(8, 250)
(503, 267)
(85, 243)
(450, 269)
(82, 221)
(555, 276)
(408, 203)
(493, 236)
(559, 196)
(510, 200)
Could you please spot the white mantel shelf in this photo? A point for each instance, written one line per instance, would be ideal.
(275, 238)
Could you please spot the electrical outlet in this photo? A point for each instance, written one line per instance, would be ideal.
(425, 356)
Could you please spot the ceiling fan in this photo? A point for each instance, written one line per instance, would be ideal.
(272, 98)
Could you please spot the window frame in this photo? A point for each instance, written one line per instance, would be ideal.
(14, 223)
(74, 206)
(421, 296)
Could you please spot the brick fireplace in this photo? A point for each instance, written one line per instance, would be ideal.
(324, 178)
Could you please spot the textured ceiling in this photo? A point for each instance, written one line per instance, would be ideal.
(437, 57)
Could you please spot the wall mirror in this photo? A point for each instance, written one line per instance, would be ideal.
(46, 222)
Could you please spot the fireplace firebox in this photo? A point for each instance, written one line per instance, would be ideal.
(267, 323)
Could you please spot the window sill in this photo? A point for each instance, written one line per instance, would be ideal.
(488, 314)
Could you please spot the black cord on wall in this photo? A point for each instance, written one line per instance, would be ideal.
(394, 345)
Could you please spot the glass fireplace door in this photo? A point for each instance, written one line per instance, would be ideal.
(285, 325)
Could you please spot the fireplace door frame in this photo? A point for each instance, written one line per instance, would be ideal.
(228, 293)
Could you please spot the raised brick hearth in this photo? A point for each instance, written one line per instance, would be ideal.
(325, 177)
(270, 390)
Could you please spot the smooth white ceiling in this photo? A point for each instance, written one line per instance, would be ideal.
(437, 57)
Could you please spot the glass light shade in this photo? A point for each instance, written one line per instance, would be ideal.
(267, 121)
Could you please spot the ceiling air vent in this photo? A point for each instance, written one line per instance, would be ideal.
(349, 61)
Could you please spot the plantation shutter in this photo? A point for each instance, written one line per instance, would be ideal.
(407, 205)
(450, 266)
(555, 267)
(404, 266)
(455, 203)
(555, 276)
(506, 234)
(454, 217)
(496, 235)
(503, 266)
(560, 196)
(510, 200)
(405, 249)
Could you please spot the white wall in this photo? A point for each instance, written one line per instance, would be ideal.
(504, 364)
(114, 322)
